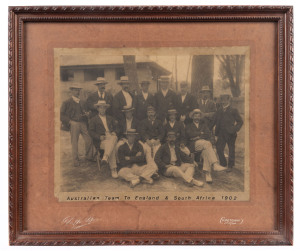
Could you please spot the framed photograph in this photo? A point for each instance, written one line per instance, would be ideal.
(151, 125)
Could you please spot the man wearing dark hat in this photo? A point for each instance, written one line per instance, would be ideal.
(122, 98)
(101, 94)
(198, 135)
(228, 122)
(132, 161)
(185, 103)
(206, 104)
(164, 98)
(103, 131)
(73, 115)
(143, 100)
(178, 128)
(172, 162)
(151, 133)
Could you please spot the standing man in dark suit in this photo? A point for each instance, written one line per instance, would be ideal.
(172, 162)
(228, 122)
(122, 98)
(164, 98)
(103, 130)
(152, 134)
(198, 135)
(73, 114)
(185, 103)
(100, 94)
(143, 100)
(206, 104)
(132, 162)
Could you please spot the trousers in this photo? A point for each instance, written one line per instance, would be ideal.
(76, 129)
(208, 154)
(185, 172)
(108, 145)
(134, 172)
(220, 145)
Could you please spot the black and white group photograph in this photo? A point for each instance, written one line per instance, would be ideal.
(152, 124)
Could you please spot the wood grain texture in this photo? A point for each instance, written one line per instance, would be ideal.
(281, 15)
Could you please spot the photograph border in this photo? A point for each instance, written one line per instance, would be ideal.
(282, 15)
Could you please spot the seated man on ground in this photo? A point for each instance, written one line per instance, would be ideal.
(132, 162)
(102, 129)
(198, 135)
(172, 162)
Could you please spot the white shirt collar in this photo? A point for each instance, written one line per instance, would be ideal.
(145, 95)
(99, 94)
(172, 123)
(196, 124)
(76, 99)
(183, 97)
(164, 92)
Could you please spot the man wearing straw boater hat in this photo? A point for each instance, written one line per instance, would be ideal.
(100, 94)
(73, 115)
(103, 131)
(122, 98)
(172, 162)
(164, 98)
(228, 122)
(198, 135)
(185, 103)
(143, 100)
(132, 161)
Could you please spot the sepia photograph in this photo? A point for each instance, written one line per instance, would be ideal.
(152, 124)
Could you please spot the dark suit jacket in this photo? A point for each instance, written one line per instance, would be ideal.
(149, 131)
(209, 106)
(178, 128)
(142, 104)
(94, 98)
(227, 122)
(124, 151)
(189, 104)
(69, 111)
(118, 103)
(96, 128)
(193, 134)
(163, 157)
(163, 104)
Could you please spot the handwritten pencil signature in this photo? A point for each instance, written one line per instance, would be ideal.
(226, 221)
(76, 223)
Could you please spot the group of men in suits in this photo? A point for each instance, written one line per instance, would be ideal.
(145, 135)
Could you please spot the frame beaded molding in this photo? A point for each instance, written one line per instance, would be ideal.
(135, 14)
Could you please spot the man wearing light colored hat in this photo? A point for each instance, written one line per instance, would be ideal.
(198, 136)
(132, 161)
(103, 130)
(100, 94)
(143, 100)
(73, 115)
(172, 162)
(122, 98)
(164, 98)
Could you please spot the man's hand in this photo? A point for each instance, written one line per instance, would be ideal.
(114, 134)
(149, 142)
(156, 142)
(102, 137)
(127, 158)
(167, 166)
(138, 154)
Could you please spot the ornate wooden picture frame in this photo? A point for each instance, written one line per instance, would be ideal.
(42, 43)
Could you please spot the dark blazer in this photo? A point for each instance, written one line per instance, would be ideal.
(149, 131)
(142, 104)
(163, 157)
(70, 110)
(227, 122)
(123, 127)
(118, 103)
(208, 106)
(94, 98)
(188, 105)
(193, 134)
(96, 128)
(178, 128)
(163, 104)
(124, 151)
